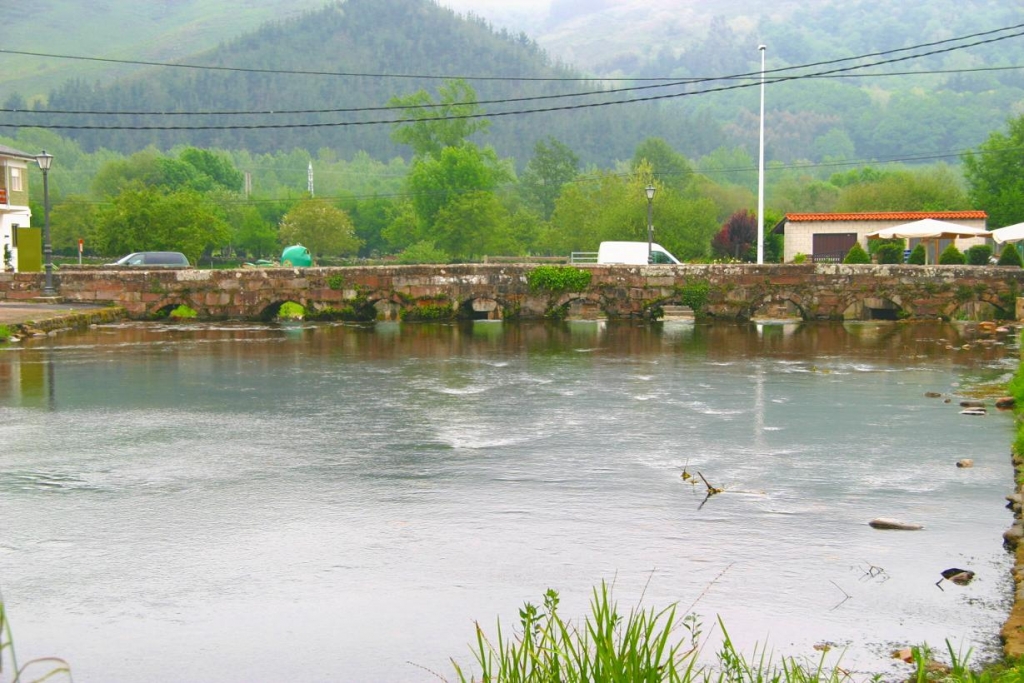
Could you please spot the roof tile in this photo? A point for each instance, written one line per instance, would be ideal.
(885, 216)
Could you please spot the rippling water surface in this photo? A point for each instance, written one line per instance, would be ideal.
(340, 503)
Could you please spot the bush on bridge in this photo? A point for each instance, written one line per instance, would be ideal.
(557, 279)
(890, 253)
(978, 255)
(951, 256)
(857, 254)
(1010, 257)
(917, 256)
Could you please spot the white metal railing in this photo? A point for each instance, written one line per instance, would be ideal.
(583, 257)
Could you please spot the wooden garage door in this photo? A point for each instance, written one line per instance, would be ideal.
(832, 247)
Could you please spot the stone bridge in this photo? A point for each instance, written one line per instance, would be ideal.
(733, 291)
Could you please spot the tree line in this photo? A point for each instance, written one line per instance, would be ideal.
(459, 200)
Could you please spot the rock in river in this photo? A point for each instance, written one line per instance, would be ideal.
(888, 523)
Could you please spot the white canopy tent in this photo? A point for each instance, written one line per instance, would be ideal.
(929, 229)
(1011, 233)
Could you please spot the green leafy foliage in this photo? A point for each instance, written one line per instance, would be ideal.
(995, 175)
(951, 256)
(428, 312)
(423, 252)
(890, 253)
(918, 256)
(143, 218)
(558, 279)
(323, 228)
(1010, 256)
(695, 295)
(857, 254)
(978, 255)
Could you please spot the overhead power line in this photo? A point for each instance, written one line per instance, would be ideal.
(301, 72)
(578, 106)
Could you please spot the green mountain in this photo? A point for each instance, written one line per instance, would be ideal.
(390, 42)
(157, 30)
(923, 109)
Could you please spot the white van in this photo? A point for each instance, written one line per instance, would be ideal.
(633, 253)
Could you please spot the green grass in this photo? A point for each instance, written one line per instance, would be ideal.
(5, 332)
(653, 646)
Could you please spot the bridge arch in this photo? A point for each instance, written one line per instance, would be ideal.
(579, 307)
(777, 305)
(874, 308)
(482, 308)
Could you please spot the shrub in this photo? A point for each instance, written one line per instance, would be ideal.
(423, 252)
(890, 253)
(800, 258)
(1010, 256)
(182, 312)
(557, 279)
(5, 333)
(857, 254)
(978, 255)
(918, 256)
(951, 256)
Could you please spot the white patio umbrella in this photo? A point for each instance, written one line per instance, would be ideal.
(1011, 233)
(929, 229)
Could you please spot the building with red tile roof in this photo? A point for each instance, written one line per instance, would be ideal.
(827, 237)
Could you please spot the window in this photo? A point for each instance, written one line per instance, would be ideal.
(16, 185)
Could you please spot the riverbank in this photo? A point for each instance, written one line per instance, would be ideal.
(36, 318)
(1013, 629)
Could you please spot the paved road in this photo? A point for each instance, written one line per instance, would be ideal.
(20, 313)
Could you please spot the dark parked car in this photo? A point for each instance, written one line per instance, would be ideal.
(155, 259)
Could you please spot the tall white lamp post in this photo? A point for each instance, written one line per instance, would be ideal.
(45, 160)
(650, 224)
(760, 172)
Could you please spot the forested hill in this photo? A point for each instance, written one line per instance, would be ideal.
(922, 109)
(384, 39)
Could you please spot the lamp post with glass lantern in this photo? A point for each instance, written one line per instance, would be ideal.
(45, 160)
(650, 225)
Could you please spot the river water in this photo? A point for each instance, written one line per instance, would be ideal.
(339, 503)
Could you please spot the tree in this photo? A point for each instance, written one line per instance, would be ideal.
(995, 175)
(446, 123)
(143, 218)
(552, 166)
(253, 234)
(75, 218)
(737, 236)
(217, 167)
(606, 206)
(667, 165)
(936, 188)
(320, 227)
(435, 181)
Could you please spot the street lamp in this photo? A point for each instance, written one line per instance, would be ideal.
(650, 226)
(760, 171)
(44, 160)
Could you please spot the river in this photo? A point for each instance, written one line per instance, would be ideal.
(243, 502)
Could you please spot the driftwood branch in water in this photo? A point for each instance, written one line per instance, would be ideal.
(711, 489)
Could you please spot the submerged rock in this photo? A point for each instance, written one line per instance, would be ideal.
(889, 523)
(960, 577)
(965, 462)
(974, 411)
(1006, 402)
